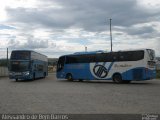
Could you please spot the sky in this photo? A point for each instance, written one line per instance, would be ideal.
(59, 27)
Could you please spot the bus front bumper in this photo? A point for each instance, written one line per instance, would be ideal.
(20, 75)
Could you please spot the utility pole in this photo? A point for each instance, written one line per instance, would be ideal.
(85, 48)
(111, 33)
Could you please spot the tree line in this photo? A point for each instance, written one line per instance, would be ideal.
(3, 62)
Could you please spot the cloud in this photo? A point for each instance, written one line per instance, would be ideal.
(30, 43)
(35, 43)
(91, 15)
(66, 26)
(142, 31)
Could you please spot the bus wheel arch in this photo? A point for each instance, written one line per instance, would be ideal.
(117, 78)
(69, 77)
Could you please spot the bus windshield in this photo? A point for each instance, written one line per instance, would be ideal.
(19, 66)
(20, 55)
(151, 54)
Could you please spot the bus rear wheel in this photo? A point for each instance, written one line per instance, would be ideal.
(69, 77)
(117, 78)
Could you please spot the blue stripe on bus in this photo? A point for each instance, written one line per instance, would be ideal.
(110, 66)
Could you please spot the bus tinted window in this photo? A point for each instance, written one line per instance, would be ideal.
(100, 57)
(113, 56)
(85, 58)
(131, 55)
(80, 59)
(21, 55)
(19, 66)
(71, 59)
(106, 57)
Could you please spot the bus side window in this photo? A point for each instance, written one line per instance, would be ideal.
(101, 57)
(112, 57)
(35, 68)
(123, 56)
(39, 67)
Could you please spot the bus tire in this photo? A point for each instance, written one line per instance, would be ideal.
(69, 77)
(117, 78)
(16, 79)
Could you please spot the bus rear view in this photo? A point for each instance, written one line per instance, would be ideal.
(26, 64)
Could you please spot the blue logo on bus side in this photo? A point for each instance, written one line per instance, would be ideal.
(100, 71)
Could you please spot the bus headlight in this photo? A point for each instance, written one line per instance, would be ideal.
(26, 73)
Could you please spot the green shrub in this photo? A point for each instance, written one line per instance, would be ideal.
(3, 62)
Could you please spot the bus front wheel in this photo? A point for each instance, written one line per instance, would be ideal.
(117, 78)
(69, 77)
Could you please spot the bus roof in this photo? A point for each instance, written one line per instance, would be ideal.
(101, 51)
(28, 51)
(90, 52)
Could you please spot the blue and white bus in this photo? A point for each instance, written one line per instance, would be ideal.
(26, 64)
(120, 66)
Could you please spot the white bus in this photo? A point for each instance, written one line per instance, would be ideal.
(120, 66)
